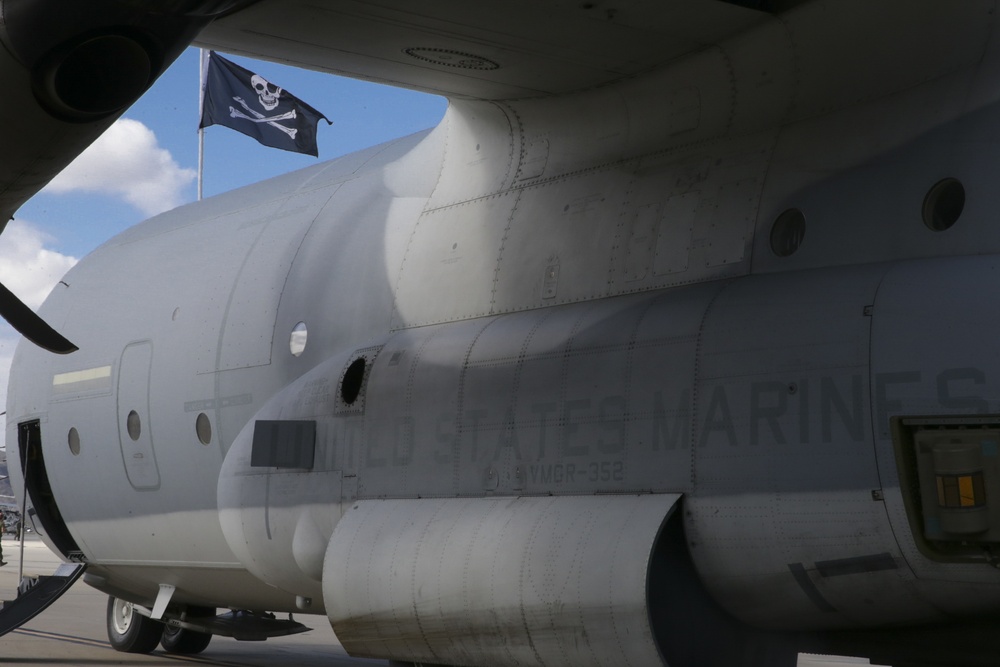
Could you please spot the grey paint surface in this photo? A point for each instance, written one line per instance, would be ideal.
(72, 632)
(566, 291)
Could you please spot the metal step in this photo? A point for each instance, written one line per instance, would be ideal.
(35, 594)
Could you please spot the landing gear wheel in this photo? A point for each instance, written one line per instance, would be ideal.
(128, 630)
(185, 642)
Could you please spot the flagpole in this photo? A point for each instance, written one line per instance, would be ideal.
(201, 130)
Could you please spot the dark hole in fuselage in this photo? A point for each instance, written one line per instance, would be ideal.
(350, 386)
(944, 204)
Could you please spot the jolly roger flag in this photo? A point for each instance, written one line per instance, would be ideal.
(248, 103)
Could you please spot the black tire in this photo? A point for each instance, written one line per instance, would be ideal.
(184, 642)
(128, 630)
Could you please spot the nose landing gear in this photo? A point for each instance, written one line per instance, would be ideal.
(131, 631)
(184, 642)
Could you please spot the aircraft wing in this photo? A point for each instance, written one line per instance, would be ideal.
(65, 80)
(492, 49)
(68, 69)
(36, 145)
(64, 83)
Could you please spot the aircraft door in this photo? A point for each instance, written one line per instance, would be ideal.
(134, 427)
(41, 501)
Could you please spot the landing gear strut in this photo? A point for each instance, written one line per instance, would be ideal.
(132, 631)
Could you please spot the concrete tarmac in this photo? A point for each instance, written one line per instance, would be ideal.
(72, 632)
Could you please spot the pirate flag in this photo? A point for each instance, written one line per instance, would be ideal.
(249, 103)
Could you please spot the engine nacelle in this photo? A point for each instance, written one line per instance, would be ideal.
(539, 580)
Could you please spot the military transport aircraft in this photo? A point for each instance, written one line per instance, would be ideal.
(676, 342)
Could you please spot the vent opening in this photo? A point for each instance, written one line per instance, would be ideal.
(350, 385)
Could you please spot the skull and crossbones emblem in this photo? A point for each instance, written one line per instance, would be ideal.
(269, 96)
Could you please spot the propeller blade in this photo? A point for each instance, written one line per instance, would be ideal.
(30, 325)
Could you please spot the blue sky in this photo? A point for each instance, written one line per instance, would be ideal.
(363, 114)
(147, 161)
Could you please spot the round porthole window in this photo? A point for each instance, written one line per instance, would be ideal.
(944, 204)
(297, 342)
(787, 232)
(133, 425)
(74, 441)
(203, 427)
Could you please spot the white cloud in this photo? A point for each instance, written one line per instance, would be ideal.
(30, 270)
(27, 268)
(127, 162)
(8, 341)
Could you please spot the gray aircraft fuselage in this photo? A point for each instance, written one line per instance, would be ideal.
(469, 393)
